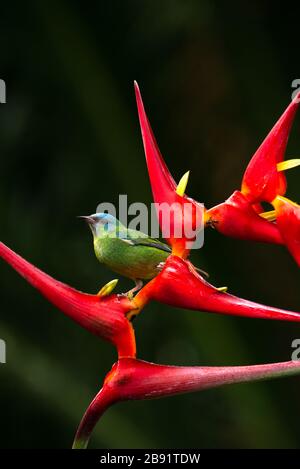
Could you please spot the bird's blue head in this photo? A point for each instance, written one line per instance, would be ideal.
(99, 222)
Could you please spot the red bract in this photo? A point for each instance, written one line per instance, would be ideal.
(237, 218)
(103, 316)
(241, 215)
(185, 213)
(178, 284)
(262, 181)
(288, 221)
(135, 379)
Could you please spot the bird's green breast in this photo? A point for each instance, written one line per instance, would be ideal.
(135, 262)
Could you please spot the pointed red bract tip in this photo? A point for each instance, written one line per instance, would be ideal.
(288, 221)
(262, 181)
(132, 379)
(103, 316)
(237, 218)
(163, 182)
(179, 285)
(179, 216)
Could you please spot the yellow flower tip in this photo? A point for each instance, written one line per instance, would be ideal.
(270, 216)
(222, 289)
(182, 184)
(108, 288)
(279, 201)
(288, 164)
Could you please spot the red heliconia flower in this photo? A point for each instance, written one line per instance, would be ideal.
(185, 212)
(104, 316)
(288, 221)
(107, 316)
(262, 181)
(132, 379)
(241, 216)
(238, 218)
(178, 284)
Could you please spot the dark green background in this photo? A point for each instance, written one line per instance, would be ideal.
(215, 76)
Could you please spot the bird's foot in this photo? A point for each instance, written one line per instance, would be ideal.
(122, 295)
(138, 286)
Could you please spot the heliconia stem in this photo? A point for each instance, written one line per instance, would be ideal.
(179, 285)
(132, 379)
(103, 316)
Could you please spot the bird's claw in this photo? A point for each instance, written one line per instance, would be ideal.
(128, 294)
(122, 295)
(138, 286)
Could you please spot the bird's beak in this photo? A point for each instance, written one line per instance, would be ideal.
(90, 220)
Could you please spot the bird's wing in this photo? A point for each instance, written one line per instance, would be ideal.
(131, 237)
(134, 240)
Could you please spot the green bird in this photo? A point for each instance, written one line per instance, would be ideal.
(127, 252)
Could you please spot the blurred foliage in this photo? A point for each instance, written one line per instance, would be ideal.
(215, 76)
